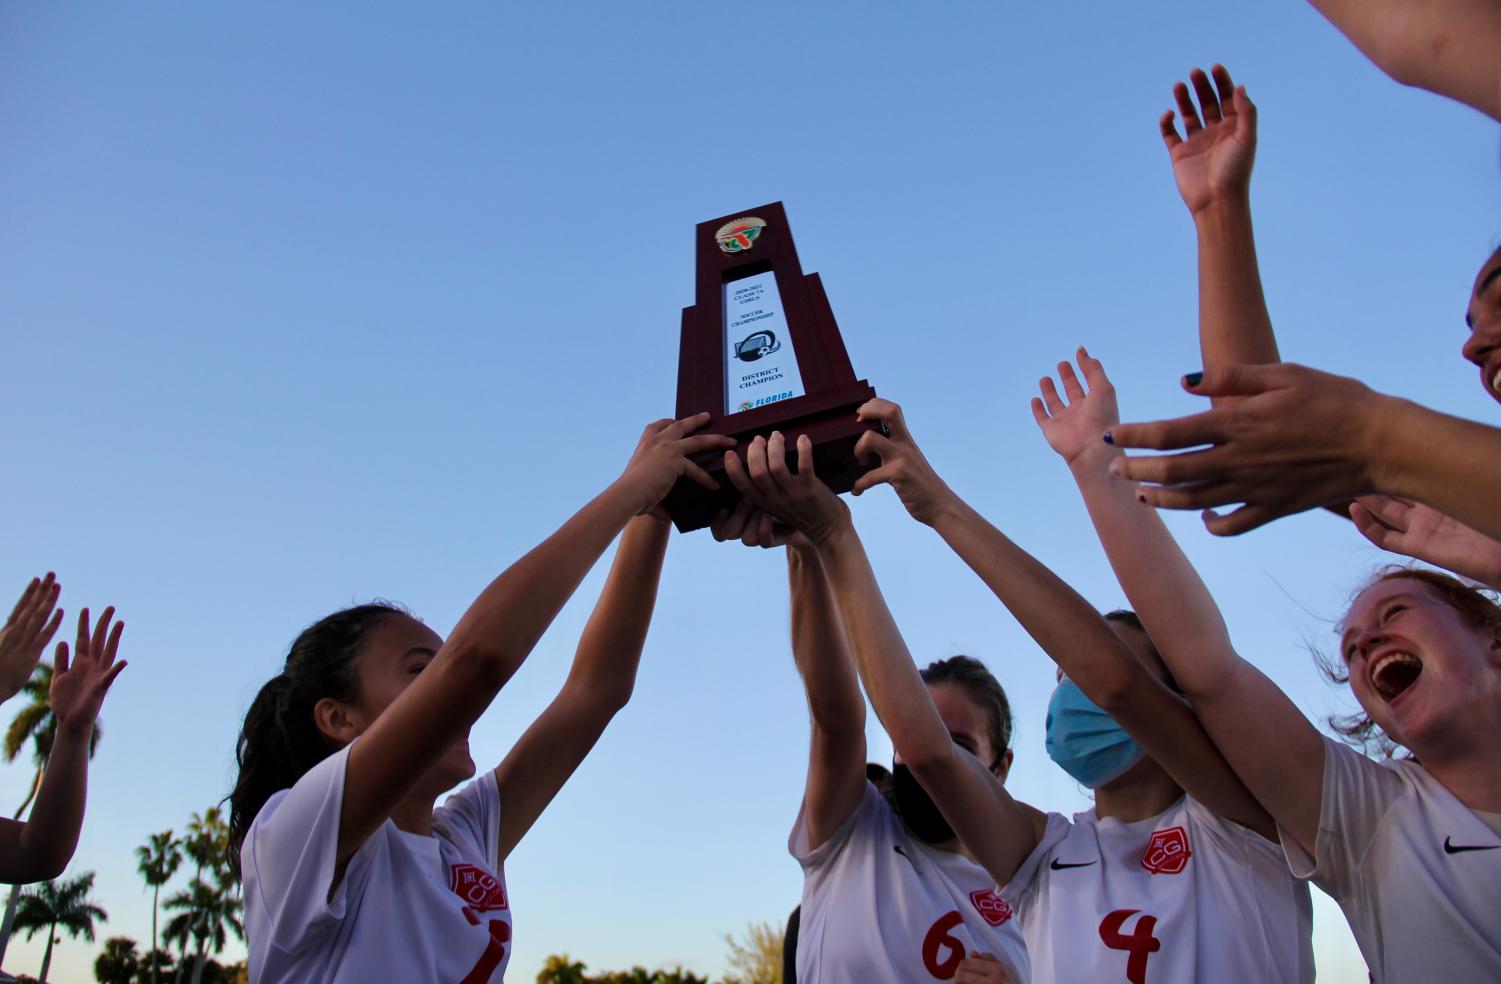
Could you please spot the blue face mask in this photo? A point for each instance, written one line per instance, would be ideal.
(1084, 740)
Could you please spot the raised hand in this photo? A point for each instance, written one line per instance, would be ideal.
(26, 633)
(80, 683)
(1212, 158)
(1420, 531)
(1076, 427)
(798, 500)
(903, 466)
(983, 968)
(663, 456)
(753, 527)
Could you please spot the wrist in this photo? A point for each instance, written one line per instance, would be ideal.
(1382, 424)
(831, 537)
(71, 733)
(945, 505)
(1093, 459)
(1228, 211)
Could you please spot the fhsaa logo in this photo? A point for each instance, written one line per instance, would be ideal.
(757, 345)
(739, 235)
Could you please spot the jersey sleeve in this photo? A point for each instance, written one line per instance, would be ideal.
(470, 819)
(863, 815)
(291, 851)
(1358, 793)
(1022, 888)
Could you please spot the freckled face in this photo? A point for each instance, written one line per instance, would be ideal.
(395, 654)
(1417, 666)
(1484, 320)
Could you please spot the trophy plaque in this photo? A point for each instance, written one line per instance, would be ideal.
(761, 352)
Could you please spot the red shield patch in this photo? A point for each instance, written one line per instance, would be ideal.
(1167, 852)
(477, 887)
(994, 909)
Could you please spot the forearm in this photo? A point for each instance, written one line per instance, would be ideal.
(1453, 465)
(895, 687)
(820, 649)
(1234, 326)
(609, 651)
(1061, 621)
(1445, 46)
(1164, 590)
(51, 833)
(510, 615)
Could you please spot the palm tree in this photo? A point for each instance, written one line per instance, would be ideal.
(157, 861)
(206, 914)
(118, 962)
(207, 845)
(35, 724)
(560, 969)
(59, 904)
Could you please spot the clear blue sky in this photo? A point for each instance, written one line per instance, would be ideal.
(307, 304)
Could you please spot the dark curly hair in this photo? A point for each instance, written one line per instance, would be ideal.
(280, 740)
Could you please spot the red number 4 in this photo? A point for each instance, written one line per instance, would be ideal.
(495, 949)
(1140, 944)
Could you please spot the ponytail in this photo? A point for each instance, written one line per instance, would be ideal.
(280, 740)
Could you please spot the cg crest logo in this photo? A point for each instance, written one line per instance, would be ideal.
(1167, 852)
(757, 345)
(739, 235)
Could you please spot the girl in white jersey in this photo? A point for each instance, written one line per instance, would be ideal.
(889, 895)
(1410, 848)
(351, 874)
(1151, 885)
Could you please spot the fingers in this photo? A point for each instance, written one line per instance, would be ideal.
(1240, 380)
(49, 631)
(112, 646)
(1050, 397)
(731, 525)
(874, 444)
(696, 474)
(1169, 130)
(1165, 435)
(98, 638)
(1389, 512)
(1093, 369)
(1070, 383)
(1245, 116)
(805, 456)
(109, 678)
(1040, 412)
(1224, 90)
(887, 413)
(704, 442)
(60, 660)
(740, 479)
(82, 644)
(870, 480)
(1201, 495)
(1371, 528)
(673, 430)
(1186, 109)
(1209, 102)
(1242, 520)
(776, 461)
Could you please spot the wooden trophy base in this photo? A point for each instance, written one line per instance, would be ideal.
(828, 418)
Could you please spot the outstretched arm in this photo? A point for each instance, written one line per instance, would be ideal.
(41, 847)
(1066, 626)
(499, 630)
(598, 686)
(31, 625)
(836, 754)
(998, 831)
(1273, 749)
(1212, 162)
(1301, 438)
(1415, 530)
(1445, 46)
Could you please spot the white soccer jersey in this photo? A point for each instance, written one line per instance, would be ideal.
(882, 907)
(1417, 873)
(1183, 896)
(409, 907)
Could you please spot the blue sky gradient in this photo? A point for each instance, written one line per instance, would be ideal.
(309, 304)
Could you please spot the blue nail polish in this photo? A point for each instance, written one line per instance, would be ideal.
(1109, 438)
(1193, 379)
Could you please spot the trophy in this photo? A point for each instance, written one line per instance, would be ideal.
(761, 352)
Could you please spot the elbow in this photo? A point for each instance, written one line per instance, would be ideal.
(837, 717)
(928, 759)
(1114, 691)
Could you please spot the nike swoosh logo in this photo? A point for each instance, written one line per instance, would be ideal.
(1061, 865)
(1451, 848)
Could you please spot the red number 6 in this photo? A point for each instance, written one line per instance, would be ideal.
(938, 939)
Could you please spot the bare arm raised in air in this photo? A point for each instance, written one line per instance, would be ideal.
(1212, 161)
(498, 632)
(836, 709)
(998, 831)
(1066, 626)
(41, 847)
(1445, 46)
(1271, 746)
(598, 686)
